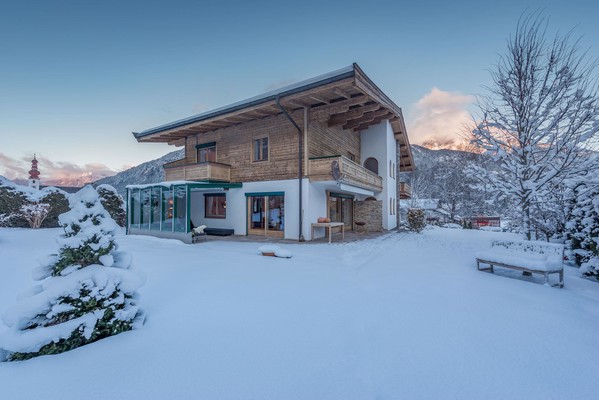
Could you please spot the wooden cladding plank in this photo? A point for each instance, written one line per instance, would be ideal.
(325, 141)
(234, 146)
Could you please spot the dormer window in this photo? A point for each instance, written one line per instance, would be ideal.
(206, 152)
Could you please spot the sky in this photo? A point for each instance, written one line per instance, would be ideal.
(77, 77)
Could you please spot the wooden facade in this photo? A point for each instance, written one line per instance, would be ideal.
(330, 112)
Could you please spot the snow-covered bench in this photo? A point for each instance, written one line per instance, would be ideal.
(527, 256)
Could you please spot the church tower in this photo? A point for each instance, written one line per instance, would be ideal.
(34, 175)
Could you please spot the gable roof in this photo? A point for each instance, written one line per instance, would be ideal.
(338, 93)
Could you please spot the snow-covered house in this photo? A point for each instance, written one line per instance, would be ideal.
(273, 164)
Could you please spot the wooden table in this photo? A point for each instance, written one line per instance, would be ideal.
(330, 226)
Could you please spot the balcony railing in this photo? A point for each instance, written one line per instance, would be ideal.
(342, 169)
(405, 191)
(178, 171)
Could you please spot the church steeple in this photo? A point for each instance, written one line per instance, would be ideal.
(34, 175)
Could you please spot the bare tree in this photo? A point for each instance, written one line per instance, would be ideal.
(539, 117)
(35, 213)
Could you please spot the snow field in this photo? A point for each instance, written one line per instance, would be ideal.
(401, 316)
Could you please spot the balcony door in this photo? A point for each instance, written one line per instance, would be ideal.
(266, 214)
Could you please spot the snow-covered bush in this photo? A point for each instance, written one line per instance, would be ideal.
(35, 213)
(113, 203)
(87, 290)
(11, 201)
(416, 219)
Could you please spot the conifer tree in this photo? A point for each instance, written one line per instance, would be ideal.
(113, 203)
(87, 290)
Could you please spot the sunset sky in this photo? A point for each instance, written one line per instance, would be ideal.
(77, 77)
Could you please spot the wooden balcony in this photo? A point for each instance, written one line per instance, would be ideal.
(405, 191)
(342, 169)
(179, 171)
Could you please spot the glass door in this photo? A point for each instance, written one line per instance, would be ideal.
(266, 215)
(341, 209)
(256, 215)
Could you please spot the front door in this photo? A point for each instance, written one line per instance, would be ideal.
(266, 215)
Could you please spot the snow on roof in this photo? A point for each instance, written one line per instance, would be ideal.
(285, 90)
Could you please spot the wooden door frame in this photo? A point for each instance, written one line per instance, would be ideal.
(262, 232)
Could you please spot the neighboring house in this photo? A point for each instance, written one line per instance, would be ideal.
(433, 211)
(484, 221)
(273, 164)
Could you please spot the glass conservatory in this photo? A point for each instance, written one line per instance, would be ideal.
(163, 209)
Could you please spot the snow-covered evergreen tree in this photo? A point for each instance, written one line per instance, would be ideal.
(87, 290)
(539, 118)
(583, 225)
(113, 203)
(416, 219)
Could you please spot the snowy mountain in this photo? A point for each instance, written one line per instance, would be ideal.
(78, 181)
(148, 172)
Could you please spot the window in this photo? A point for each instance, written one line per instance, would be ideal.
(206, 152)
(261, 149)
(180, 220)
(372, 165)
(390, 169)
(215, 205)
(155, 208)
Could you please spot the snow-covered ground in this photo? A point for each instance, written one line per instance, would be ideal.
(402, 316)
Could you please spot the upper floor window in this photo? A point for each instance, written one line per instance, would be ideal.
(261, 149)
(206, 152)
(372, 165)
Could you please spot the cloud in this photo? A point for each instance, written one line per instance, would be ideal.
(439, 118)
(53, 172)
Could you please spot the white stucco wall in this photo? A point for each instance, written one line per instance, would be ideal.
(237, 206)
(378, 141)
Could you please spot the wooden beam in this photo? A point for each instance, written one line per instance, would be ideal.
(370, 116)
(342, 118)
(342, 93)
(323, 113)
(320, 99)
(374, 121)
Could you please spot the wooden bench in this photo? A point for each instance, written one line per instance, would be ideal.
(526, 256)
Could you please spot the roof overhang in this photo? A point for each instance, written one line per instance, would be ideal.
(346, 98)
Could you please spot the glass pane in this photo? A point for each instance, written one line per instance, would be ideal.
(135, 208)
(155, 209)
(257, 210)
(347, 211)
(276, 213)
(180, 209)
(256, 150)
(216, 207)
(145, 209)
(265, 149)
(167, 209)
(334, 209)
(207, 154)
